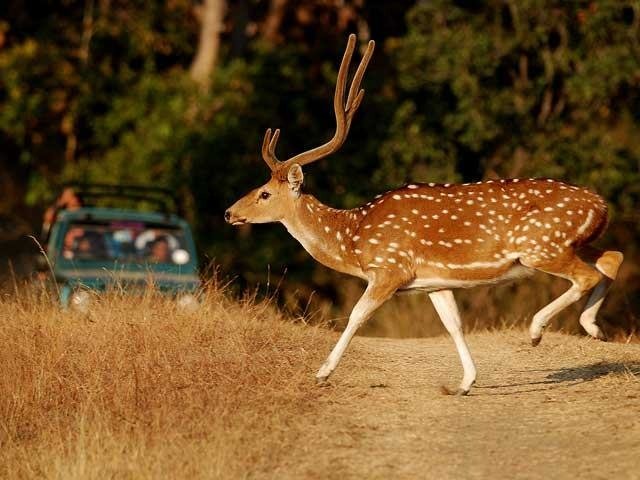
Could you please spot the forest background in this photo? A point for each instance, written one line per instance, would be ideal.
(178, 94)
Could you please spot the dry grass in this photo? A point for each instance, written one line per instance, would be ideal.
(140, 390)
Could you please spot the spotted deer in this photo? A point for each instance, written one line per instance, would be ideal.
(437, 237)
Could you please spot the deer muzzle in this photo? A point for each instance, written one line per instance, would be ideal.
(234, 219)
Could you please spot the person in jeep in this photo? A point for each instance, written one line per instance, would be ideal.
(160, 252)
(68, 200)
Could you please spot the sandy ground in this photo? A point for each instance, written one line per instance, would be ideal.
(569, 408)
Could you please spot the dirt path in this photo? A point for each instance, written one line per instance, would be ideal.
(569, 408)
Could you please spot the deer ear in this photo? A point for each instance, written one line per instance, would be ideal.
(295, 177)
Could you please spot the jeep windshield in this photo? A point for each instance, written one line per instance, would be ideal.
(125, 242)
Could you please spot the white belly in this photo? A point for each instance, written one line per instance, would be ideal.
(434, 284)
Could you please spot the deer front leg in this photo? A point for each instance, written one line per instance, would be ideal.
(445, 305)
(378, 291)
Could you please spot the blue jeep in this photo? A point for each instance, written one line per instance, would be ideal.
(95, 248)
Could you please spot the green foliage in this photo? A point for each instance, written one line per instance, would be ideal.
(59, 77)
(534, 88)
(458, 92)
(145, 136)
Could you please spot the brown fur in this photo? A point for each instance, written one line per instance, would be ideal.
(436, 237)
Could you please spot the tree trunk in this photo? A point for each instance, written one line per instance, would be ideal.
(204, 62)
(273, 21)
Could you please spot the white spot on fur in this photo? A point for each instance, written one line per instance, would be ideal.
(583, 228)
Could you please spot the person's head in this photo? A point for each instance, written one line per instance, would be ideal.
(69, 199)
(90, 244)
(160, 251)
(84, 245)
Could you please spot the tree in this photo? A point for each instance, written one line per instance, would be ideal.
(211, 16)
(524, 88)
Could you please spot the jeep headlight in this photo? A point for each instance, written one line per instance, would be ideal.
(81, 301)
(187, 302)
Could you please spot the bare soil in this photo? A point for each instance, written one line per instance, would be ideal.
(569, 408)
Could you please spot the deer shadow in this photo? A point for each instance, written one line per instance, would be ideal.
(566, 377)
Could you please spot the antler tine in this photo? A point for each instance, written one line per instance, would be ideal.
(343, 113)
(273, 143)
(354, 108)
(341, 83)
(355, 99)
(265, 141)
(357, 78)
(269, 148)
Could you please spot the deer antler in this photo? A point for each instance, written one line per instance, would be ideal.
(269, 149)
(344, 113)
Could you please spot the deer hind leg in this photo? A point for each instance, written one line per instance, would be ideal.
(379, 290)
(445, 304)
(607, 263)
(583, 278)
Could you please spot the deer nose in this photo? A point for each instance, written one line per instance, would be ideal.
(227, 215)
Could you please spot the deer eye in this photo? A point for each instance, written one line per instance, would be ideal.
(264, 195)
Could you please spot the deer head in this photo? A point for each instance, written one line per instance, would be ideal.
(276, 198)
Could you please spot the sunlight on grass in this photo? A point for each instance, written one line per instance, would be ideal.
(139, 389)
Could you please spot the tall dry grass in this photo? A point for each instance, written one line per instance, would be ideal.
(138, 389)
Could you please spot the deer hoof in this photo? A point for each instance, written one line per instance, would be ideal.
(535, 341)
(601, 336)
(460, 392)
(322, 381)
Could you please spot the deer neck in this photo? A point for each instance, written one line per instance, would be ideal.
(325, 232)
